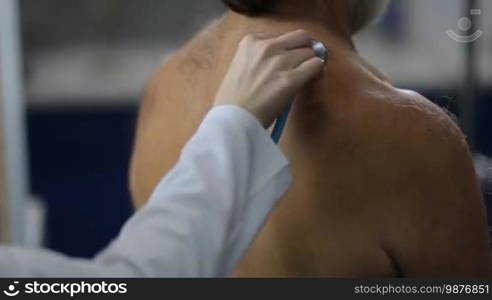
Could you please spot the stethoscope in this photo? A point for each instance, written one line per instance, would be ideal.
(321, 52)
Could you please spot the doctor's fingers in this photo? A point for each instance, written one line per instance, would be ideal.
(306, 72)
(294, 39)
(294, 58)
(286, 41)
(266, 35)
(267, 47)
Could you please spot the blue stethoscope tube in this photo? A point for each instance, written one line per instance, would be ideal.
(278, 129)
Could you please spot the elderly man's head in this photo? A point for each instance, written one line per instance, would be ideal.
(363, 12)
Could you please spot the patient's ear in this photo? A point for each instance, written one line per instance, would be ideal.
(250, 7)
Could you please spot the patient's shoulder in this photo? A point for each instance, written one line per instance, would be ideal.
(414, 141)
(424, 153)
(198, 53)
(415, 121)
(434, 193)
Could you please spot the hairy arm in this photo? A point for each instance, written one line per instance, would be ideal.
(439, 228)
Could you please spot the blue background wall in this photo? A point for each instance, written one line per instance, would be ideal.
(79, 166)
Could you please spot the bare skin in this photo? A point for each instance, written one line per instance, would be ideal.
(383, 180)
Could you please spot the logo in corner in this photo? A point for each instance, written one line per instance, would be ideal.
(11, 291)
(464, 25)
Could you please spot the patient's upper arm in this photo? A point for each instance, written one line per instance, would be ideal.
(438, 222)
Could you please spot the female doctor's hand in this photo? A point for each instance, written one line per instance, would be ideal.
(267, 72)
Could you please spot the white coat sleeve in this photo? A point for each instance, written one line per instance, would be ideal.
(201, 218)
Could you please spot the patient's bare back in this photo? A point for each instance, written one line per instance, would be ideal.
(383, 180)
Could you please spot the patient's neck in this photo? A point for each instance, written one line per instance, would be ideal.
(328, 21)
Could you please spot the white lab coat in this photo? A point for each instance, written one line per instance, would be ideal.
(201, 218)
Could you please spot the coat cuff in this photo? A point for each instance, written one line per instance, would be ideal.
(267, 155)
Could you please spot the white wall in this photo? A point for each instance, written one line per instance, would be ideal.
(111, 74)
(429, 58)
(12, 118)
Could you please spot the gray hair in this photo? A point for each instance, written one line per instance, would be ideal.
(366, 12)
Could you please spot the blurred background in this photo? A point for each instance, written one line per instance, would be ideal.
(85, 63)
